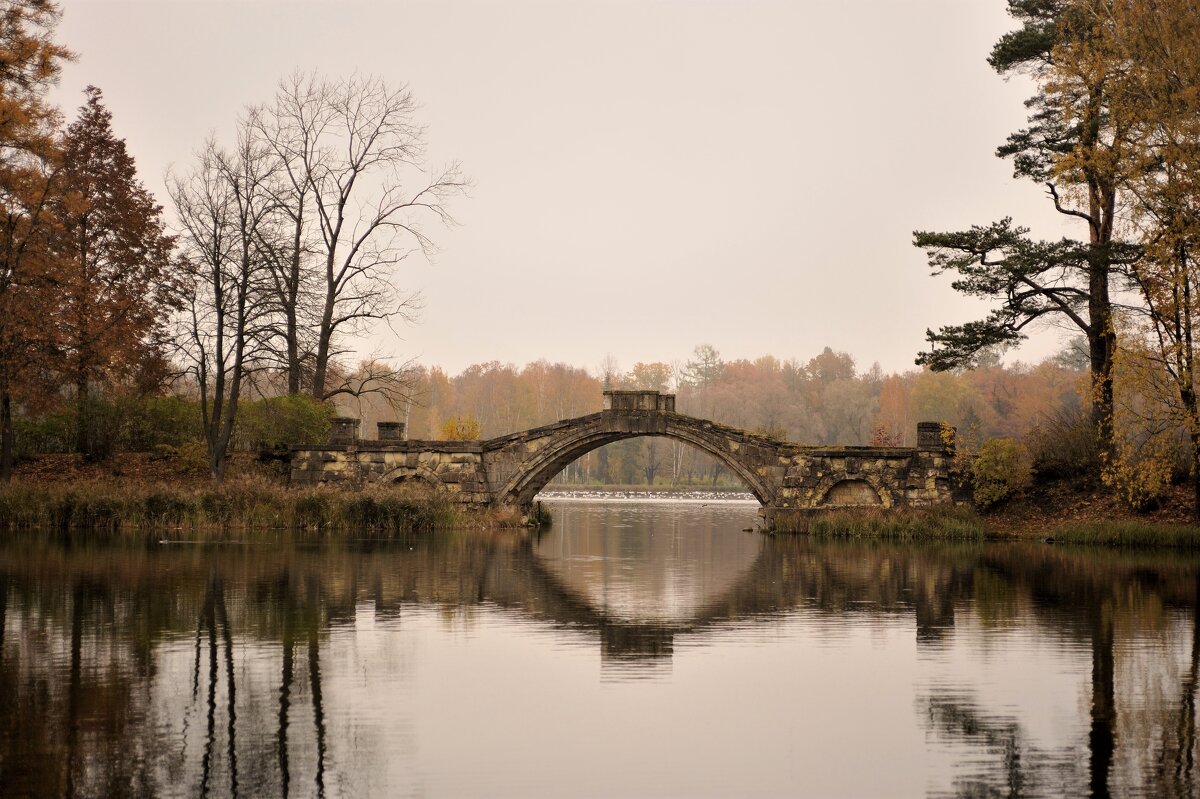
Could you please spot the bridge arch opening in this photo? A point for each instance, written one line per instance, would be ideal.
(853, 492)
(648, 461)
(547, 463)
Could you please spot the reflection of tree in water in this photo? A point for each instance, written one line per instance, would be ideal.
(1176, 763)
(69, 717)
(297, 614)
(1017, 768)
(1090, 601)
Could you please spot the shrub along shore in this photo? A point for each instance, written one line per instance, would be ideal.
(242, 508)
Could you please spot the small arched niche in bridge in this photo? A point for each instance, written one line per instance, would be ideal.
(413, 476)
(851, 493)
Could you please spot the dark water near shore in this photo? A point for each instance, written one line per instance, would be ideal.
(634, 649)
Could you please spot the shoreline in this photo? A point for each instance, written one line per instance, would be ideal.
(146, 499)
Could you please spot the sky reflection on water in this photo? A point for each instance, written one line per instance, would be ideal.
(630, 650)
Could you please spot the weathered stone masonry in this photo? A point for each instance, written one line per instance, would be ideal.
(791, 481)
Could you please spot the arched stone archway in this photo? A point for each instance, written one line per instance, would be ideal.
(543, 467)
(851, 490)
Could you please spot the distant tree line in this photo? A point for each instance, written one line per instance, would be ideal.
(826, 399)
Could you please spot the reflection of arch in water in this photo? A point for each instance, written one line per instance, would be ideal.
(787, 573)
(546, 463)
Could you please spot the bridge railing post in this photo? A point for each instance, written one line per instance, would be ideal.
(343, 430)
(391, 432)
(935, 437)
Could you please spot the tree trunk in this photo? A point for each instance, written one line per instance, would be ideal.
(1102, 339)
(1195, 437)
(293, 353)
(82, 414)
(6, 433)
(293, 289)
(324, 341)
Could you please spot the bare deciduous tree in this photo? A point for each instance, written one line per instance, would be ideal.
(221, 208)
(353, 189)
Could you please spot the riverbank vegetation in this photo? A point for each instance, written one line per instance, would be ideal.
(902, 524)
(245, 507)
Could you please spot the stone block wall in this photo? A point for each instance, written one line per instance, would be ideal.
(615, 400)
(455, 467)
(828, 479)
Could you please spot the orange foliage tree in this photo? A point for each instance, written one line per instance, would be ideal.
(114, 259)
(30, 160)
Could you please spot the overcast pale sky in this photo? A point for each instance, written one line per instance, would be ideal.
(649, 176)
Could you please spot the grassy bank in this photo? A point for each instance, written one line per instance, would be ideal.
(1128, 534)
(239, 508)
(1079, 511)
(964, 524)
(902, 524)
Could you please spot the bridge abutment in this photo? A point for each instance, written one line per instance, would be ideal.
(821, 479)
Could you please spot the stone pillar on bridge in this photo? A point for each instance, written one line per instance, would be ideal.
(935, 437)
(343, 430)
(638, 401)
(390, 432)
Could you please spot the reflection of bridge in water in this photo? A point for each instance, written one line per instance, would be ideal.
(124, 612)
(789, 480)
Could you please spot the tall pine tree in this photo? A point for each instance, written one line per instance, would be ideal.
(1074, 146)
(115, 261)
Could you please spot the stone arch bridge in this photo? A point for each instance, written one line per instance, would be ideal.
(790, 480)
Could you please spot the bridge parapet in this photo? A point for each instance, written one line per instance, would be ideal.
(638, 401)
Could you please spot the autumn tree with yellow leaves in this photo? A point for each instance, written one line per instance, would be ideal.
(1151, 51)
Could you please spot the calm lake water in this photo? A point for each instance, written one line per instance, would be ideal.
(634, 649)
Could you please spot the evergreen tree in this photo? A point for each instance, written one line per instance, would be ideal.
(115, 258)
(1075, 147)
